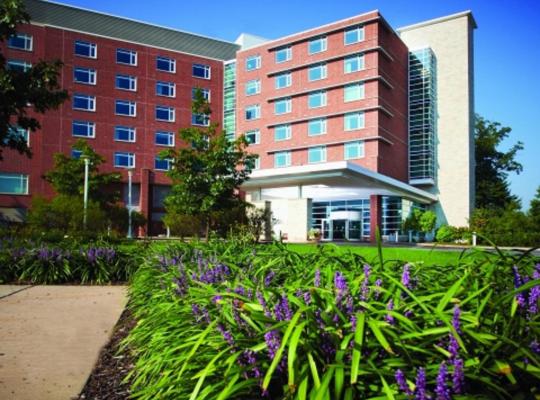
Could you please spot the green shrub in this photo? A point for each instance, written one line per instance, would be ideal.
(446, 234)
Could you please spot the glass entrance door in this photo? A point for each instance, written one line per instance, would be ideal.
(339, 229)
(326, 229)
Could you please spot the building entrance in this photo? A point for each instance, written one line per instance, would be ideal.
(341, 229)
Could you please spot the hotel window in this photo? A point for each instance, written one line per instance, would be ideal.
(353, 150)
(317, 127)
(353, 35)
(205, 93)
(124, 160)
(253, 112)
(282, 159)
(164, 139)
(16, 134)
(352, 92)
(20, 41)
(164, 113)
(283, 80)
(257, 164)
(317, 45)
(165, 64)
(317, 154)
(162, 164)
(253, 137)
(76, 154)
(201, 71)
(283, 54)
(128, 57)
(282, 132)
(124, 134)
(354, 63)
(11, 183)
(317, 99)
(83, 129)
(317, 72)
(85, 49)
(128, 108)
(354, 121)
(166, 89)
(126, 82)
(84, 75)
(17, 65)
(253, 62)
(253, 87)
(84, 102)
(282, 106)
(200, 119)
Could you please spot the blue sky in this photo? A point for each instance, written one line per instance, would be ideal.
(507, 47)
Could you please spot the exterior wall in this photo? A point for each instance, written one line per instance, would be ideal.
(292, 218)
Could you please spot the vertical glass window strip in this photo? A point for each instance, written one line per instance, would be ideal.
(283, 54)
(20, 41)
(85, 49)
(391, 215)
(354, 91)
(127, 57)
(353, 63)
(282, 159)
(317, 45)
(282, 132)
(282, 106)
(317, 127)
(353, 35)
(229, 100)
(253, 62)
(317, 154)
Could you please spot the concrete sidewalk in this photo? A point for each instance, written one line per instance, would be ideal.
(51, 336)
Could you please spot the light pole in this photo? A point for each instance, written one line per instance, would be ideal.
(130, 207)
(86, 169)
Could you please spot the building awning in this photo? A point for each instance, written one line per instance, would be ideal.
(333, 180)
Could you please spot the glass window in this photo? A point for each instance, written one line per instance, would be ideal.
(205, 93)
(354, 91)
(354, 121)
(17, 65)
(257, 163)
(317, 45)
(317, 154)
(283, 54)
(85, 49)
(164, 139)
(76, 154)
(126, 82)
(253, 62)
(354, 35)
(317, 99)
(282, 132)
(16, 133)
(353, 150)
(282, 106)
(162, 164)
(164, 113)
(253, 137)
(84, 102)
(84, 75)
(128, 108)
(20, 41)
(11, 183)
(283, 80)
(253, 112)
(165, 64)
(253, 87)
(354, 63)
(317, 72)
(201, 71)
(128, 57)
(124, 134)
(200, 119)
(282, 159)
(317, 127)
(166, 89)
(124, 160)
(83, 129)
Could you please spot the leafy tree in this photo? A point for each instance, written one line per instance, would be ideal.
(38, 86)
(534, 210)
(493, 165)
(427, 221)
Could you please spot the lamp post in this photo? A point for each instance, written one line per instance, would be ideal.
(86, 170)
(130, 206)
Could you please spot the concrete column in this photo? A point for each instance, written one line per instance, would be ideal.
(375, 214)
(145, 201)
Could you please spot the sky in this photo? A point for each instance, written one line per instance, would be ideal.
(507, 47)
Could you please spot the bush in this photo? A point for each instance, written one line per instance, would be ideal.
(446, 234)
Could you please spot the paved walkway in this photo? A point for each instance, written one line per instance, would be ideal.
(50, 337)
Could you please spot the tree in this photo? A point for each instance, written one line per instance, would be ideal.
(493, 165)
(38, 86)
(207, 172)
(534, 210)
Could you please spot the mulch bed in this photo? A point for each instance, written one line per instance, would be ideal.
(106, 380)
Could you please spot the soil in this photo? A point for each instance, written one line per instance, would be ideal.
(107, 379)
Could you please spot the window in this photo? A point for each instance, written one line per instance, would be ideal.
(354, 63)
(282, 159)
(253, 112)
(128, 108)
(317, 99)
(166, 89)
(84, 75)
(354, 121)
(13, 183)
(85, 49)
(317, 127)
(253, 137)
(76, 154)
(126, 82)
(128, 57)
(253, 62)
(205, 93)
(164, 139)
(283, 54)
(353, 35)
(282, 106)
(165, 64)
(253, 87)
(317, 45)
(353, 92)
(17, 134)
(282, 132)
(84, 102)
(164, 113)
(20, 41)
(283, 80)
(201, 71)
(162, 164)
(200, 119)
(317, 154)
(17, 65)
(257, 164)
(124, 160)
(124, 134)
(83, 129)
(353, 150)
(317, 72)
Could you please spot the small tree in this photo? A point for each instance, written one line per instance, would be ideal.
(427, 221)
(534, 210)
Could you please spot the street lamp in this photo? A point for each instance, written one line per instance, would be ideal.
(86, 169)
(130, 206)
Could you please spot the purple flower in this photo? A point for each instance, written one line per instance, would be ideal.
(402, 382)
(518, 281)
(535, 346)
(262, 302)
(455, 319)
(458, 378)
(453, 346)
(268, 278)
(273, 342)
(217, 298)
(282, 311)
(340, 284)
(226, 335)
(307, 297)
(378, 284)
(317, 281)
(390, 306)
(406, 277)
(534, 295)
(420, 391)
(365, 288)
(441, 390)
